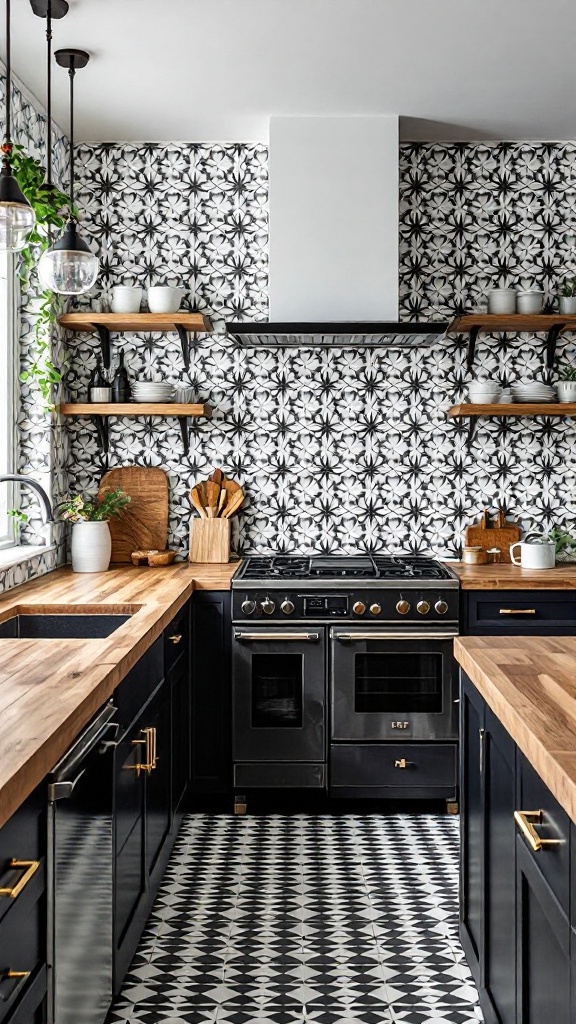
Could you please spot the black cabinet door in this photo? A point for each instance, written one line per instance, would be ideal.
(158, 813)
(211, 693)
(543, 942)
(129, 876)
(519, 612)
(181, 692)
(472, 739)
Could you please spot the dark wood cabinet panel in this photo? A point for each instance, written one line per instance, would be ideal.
(158, 812)
(211, 702)
(519, 612)
(472, 731)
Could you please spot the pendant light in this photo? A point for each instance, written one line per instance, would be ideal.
(50, 10)
(69, 267)
(16, 215)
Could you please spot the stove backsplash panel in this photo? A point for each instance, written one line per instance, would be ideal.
(347, 449)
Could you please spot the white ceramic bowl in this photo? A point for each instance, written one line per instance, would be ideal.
(502, 301)
(164, 300)
(126, 298)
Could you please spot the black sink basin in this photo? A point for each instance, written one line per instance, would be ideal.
(60, 627)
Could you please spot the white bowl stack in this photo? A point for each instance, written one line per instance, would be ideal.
(484, 392)
(152, 391)
(533, 391)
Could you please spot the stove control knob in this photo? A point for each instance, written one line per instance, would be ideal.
(267, 606)
(375, 609)
(403, 606)
(441, 606)
(423, 607)
(248, 606)
(287, 606)
(358, 608)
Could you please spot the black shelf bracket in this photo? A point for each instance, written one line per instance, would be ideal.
(184, 343)
(551, 342)
(471, 350)
(103, 433)
(104, 335)
(183, 423)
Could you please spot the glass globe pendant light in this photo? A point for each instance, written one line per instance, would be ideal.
(69, 267)
(17, 217)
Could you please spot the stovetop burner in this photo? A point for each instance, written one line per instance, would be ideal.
(351, 567)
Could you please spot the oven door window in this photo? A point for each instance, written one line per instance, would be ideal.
(393, 682)
(277, 691)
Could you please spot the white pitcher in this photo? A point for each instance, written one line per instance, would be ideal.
(534, 554)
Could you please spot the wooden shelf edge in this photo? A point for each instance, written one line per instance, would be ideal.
(519, 322)
(513, 409)
(135, 409)
(145, 322)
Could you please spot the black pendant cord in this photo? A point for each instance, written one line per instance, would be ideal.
(8, 75)
(72, 72)
(49, 95)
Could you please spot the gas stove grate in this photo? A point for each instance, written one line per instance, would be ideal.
(351, 567)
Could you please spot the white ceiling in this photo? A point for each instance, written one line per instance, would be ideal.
(186, 70)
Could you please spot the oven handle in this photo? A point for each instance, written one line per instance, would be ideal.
(353, 637)
(310, 637)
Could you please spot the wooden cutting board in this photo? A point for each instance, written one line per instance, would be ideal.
(143, 524)
(493, 533)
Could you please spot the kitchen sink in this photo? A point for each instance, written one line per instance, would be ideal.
(31, 625)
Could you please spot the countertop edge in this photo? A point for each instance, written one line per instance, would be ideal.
(505, 576)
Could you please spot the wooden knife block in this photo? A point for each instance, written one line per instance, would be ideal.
(209, 540)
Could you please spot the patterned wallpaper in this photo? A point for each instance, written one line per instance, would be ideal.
(346, 449)
(42, 441)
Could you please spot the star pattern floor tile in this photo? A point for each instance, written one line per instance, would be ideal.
(305, 919)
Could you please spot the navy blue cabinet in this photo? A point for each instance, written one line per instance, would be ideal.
(517, 902)
(518, 612)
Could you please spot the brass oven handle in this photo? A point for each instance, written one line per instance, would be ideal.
(176, 638)
(312, 637)
(522, 819)
(517, 611)
(31, 868)
(343, 637)
(403, 763)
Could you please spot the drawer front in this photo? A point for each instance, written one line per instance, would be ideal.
(520, 612)
(22, 944)
(22, 847)
(553, 861)
(140, 683)
(393, 766)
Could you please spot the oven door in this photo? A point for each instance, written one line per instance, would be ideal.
(389, 685)
(278, 687)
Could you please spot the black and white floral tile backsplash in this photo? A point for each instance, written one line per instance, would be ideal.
(346, 449)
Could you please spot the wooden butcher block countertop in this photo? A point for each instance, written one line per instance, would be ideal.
(50, 689)
(530, 685)
(512, 577)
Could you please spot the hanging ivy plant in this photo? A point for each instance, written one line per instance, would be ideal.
(51, 207)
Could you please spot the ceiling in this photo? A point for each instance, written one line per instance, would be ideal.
(215, 70)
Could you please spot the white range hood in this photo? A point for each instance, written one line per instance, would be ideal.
(333, 199)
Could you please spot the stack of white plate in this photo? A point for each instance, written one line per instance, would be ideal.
(484, 392)
(152, 391)
(533, 391)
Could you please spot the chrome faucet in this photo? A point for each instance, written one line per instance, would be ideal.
(47, 513)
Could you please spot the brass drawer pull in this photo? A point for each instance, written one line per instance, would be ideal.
(517, 611)
(524, 820)
(176, 638)
(15, 974)
(151, 755)
(403, 763)
(31, 868)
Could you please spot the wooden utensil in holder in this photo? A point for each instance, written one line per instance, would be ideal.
(209, 540)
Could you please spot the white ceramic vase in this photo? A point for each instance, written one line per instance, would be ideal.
(567, 304)
(91, 546)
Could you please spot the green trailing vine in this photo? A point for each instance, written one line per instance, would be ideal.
(51, 207)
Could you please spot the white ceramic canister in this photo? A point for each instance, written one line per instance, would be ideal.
(91, 546)
(126, 298)
(567, 304)
(530, 302)
(534, 554)
(502, 301)
(566, 390)
(162, 299)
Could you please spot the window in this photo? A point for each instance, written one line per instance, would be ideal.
(8, 371)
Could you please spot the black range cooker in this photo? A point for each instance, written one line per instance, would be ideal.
(343, 675)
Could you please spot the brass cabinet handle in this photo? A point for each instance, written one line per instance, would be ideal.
(15, 974)
(524, 820)
(176, 638)
(31, 867)
(151, 755)
(517, 611)
(403, 763)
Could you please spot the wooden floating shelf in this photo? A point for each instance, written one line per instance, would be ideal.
(87, 321)
(135, 409)
(514, 409)
(552, 324)
(100, 413)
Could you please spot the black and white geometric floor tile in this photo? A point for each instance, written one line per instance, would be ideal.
(305, 919)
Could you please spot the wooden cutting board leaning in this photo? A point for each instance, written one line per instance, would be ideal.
(493, 533)
(216, 500)
(143, 524)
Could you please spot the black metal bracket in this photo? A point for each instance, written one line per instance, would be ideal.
(471, 350)
(104, 335)
(185, 344)
(101, 424)
(183, 422)
(551, 342)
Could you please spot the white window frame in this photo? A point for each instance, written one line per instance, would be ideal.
(9, 363)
